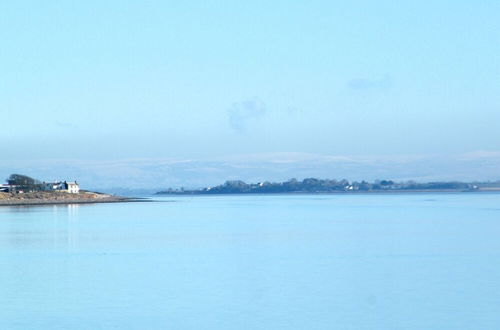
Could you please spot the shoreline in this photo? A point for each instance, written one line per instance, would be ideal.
(69, 202)
(66, 200)
(374, 192)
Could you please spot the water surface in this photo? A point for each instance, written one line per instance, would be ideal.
(413, 261)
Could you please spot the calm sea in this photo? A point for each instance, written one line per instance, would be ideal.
(414, 261)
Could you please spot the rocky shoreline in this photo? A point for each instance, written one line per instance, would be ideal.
(52, 198)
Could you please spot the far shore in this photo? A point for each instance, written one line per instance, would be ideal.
(356, 192)
(328, 186)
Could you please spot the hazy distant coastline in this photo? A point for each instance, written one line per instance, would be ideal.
(315, 186)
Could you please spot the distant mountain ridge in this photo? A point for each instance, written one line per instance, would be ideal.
(154, 174)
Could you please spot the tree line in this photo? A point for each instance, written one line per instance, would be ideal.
(313, 185)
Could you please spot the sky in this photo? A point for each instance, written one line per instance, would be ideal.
(115, 81)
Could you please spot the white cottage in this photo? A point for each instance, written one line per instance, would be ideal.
(72, 187)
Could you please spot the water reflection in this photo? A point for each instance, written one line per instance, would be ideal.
(37, 208)
(27, 226)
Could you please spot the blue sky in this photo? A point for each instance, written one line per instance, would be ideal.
(115, 80)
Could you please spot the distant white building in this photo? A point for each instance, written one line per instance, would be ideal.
(70, 187)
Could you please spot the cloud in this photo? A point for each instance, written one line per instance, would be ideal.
(361, 84)
(242, 113)
(64, 124)
(293, 111)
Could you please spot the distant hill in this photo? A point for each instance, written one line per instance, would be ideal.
(145, 175)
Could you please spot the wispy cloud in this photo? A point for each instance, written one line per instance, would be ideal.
(242, 113)
(65, 124)
(361, 84)
(293, 111)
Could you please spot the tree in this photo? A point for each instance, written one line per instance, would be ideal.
(24, 182)
(386, 182)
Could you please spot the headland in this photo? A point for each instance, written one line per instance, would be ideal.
(24, 190)
(57, 197)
